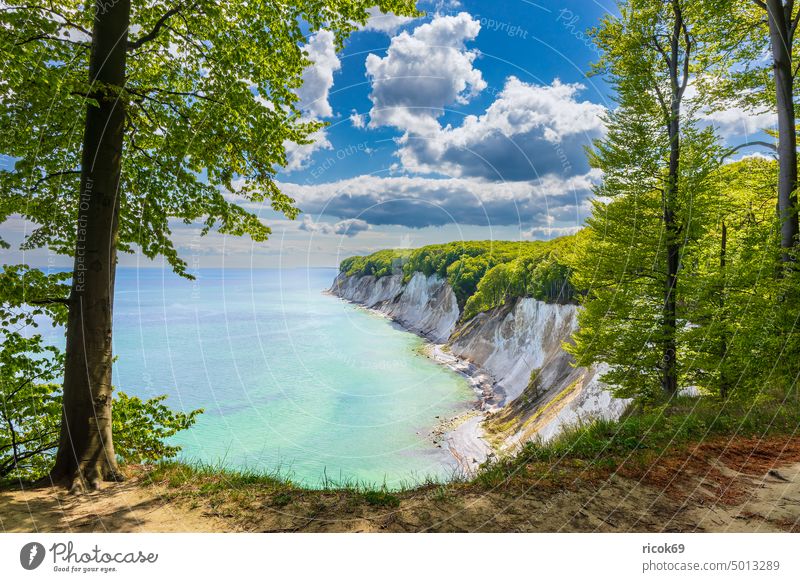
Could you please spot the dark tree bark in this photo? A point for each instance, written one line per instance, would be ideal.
(781, 36)
(677, 62)
(724, 381)
(86, 450)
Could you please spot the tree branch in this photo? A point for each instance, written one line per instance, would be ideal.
(40, 181)
(50, 301)
(133, 45)
(729, 152)
(687, 52)
(48, 37)
(186, 94)
(661, 51)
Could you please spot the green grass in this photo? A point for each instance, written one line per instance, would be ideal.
(381, 498)
(651, 431)
(198, 478)
(644, 432)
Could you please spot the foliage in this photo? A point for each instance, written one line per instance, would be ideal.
(211, 111)
(651, 207)
(142, 427)
(30, 398)
(542, 273)
(30, 429)
(740, 312)
(483, 274)
(380, 264)
(29, 405)
(737, 67)
(739, 318)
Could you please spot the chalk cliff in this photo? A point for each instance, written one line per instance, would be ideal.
(537, 390)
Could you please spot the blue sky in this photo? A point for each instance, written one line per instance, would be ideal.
(468, 123)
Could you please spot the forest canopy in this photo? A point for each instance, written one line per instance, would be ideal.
(483, 274)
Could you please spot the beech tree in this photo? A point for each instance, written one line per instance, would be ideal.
(736, 72)
(123, 117)
(632, 257)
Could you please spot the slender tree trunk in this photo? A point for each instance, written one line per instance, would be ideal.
(669, 371)
(781, 37)
(669, 379)
(724, 382)
(86, 451)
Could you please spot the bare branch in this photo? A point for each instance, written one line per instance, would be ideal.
(40, 181)
(50, 301)
(729, 152)
(133, 45)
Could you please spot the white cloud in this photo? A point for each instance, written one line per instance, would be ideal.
(423, 72)
(318, 77)
(299, 155)
(739, 122)
(358, 119)
(348, 227)
(386, 22)
(313, 94)
(419, 201)
(734, 121)
(529, 131)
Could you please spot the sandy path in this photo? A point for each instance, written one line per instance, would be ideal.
(770, 502)
(124, 507)
(773, 505)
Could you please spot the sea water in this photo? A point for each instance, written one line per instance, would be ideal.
(291, 379)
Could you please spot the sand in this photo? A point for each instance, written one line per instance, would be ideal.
(691, 496)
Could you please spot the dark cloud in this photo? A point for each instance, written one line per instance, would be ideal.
(419, 202)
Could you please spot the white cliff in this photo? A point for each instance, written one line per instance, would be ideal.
(424, 305)
(511, 341)
(508, 343)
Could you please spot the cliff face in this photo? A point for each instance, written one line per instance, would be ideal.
(511, 341)
(425, 305)
(537, 390)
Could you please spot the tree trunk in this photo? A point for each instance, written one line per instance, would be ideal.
(724, 381)
(86, 451)
(669, 378)
(780, 35)
(669, 365)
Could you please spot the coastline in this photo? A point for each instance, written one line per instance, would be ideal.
(463, 433)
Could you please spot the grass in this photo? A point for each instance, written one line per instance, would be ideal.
(646, 434)
(219, 483)
(381, 498)
(582, 454)
(673, 450)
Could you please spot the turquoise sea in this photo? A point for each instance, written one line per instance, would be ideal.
(290, 378)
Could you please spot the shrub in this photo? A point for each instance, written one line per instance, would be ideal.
(30, 428)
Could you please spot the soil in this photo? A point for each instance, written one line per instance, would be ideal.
(750, 486)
